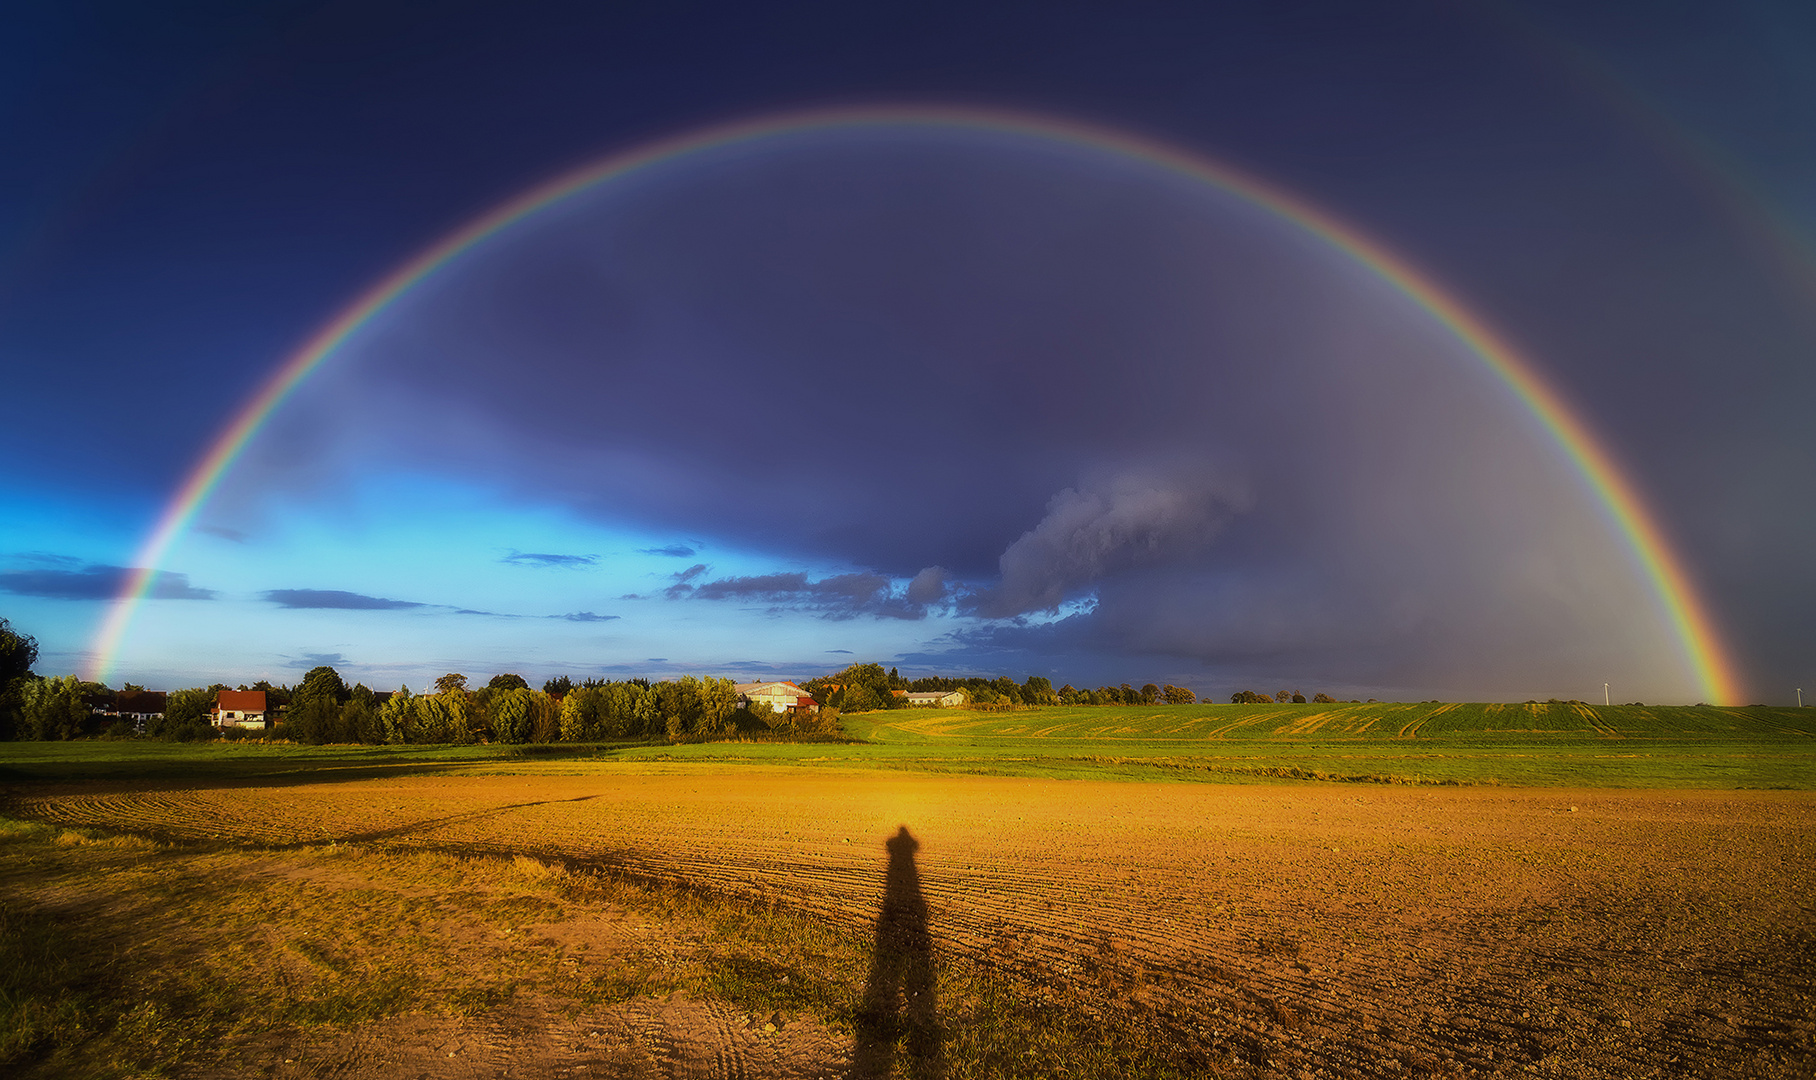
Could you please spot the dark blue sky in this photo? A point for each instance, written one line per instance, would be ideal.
(190, 190)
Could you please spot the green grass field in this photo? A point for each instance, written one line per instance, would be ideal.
(1567, 745)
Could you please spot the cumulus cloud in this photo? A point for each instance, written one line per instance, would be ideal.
(927, 587)
(541, 558)
(1107, 524)
(336, 599)
(95, 582)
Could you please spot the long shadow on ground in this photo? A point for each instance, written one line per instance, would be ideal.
(899, 1014)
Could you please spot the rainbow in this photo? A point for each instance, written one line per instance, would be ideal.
(1620, 500)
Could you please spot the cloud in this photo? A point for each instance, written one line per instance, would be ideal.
(540, 558)
(1108, 524)
(95, 582)
(682, 577)
(840, 596)
(927, 587)
(48, 558)
(321, 659)
(673, 551)
(337, 600)
(584, 616)
(847, 652)
(224, 533)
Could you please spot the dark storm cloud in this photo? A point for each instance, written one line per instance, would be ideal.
(1242, 447)
(336, 599)
(95, 582)
(675, 551)
(533, 558)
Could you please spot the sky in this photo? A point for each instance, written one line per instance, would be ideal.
(1101, 342)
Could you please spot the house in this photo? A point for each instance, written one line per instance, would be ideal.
(138, 706)
(950, 699)
(239, 708)
(778, 696)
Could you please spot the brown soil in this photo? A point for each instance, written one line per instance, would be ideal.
(1302, 930)
(671, 1037)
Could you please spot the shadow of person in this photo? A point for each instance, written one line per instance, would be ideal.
(898, 1000)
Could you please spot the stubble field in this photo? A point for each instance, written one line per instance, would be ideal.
(1188, 929)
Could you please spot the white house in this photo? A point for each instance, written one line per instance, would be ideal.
(950, 699)
(239, 708)
(778, 696)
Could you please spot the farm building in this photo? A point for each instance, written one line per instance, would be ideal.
(779, 696)
(949, 699)
(138, 706)
(239, 708)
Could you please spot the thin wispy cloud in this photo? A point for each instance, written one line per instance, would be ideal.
(544, 558)
(337, 600)
(673, 551)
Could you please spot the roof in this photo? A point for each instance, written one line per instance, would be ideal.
(771, 687)
(240, 701)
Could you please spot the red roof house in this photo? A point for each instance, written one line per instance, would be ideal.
(239, 708)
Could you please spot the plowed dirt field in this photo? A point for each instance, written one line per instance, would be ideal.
(1291, 930)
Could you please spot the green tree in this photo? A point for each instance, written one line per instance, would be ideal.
(1038, 690)
(1150, 694)
(449, 682)
(18, 652)
(508, 682)
(397, 717)
(558, 687)
(314, 715)
(513, 711)
(53, 708)
(359, 720)
(1324, 699)
(1178, 695)
(186, 716)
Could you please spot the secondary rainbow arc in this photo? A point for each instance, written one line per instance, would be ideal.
(1616, 494)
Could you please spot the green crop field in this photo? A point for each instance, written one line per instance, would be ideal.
(1556, 744)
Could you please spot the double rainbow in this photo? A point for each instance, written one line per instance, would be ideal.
(1690, 620)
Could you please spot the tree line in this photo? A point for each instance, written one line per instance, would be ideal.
(863, 687)
(324, 709)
